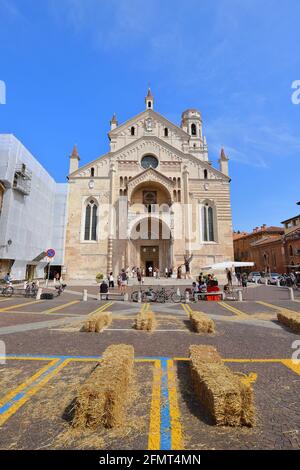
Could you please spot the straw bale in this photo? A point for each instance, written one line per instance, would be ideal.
(101, 400)
(145, 321)
(97, 322)
(290, 319)
(201, 323)
(226, 397)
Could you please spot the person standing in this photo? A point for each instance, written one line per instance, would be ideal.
(123, 281)
(150, 270)
(111, 282)
(244, 280)
(139, 275)
(166, 272)
(229, 276)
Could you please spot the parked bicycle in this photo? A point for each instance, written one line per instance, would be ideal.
(60, 288)
(161, 295)
(31, 289)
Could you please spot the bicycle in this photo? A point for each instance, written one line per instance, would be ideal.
(7, 291)
(148, 295)
(60, 289)
(31, 290)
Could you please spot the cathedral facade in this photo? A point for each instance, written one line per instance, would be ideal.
(153, 201)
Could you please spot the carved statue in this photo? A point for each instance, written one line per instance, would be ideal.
(187, 262)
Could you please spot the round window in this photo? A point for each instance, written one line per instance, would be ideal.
(149, 161)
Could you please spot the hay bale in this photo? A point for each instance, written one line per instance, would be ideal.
(201, 323)
(102, 398)
(227, 398)
(97, 322)
(145, 320)
(289, 319)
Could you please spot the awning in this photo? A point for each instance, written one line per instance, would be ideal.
(229, 265)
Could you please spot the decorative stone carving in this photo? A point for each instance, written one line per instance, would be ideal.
(150, 175)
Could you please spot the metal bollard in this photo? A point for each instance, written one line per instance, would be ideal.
(126, 297)
(256, 281)
(278, 283)
(39, 293)
(187, 296)
(139, 297)
(178, 291)
(291, 293)
(99, 296)
(196, 297)
(84, 296)
(240, 296)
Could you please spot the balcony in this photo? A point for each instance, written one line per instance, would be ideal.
(22, 179)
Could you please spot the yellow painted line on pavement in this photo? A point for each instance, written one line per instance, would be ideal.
(154, 427)
(292, 364)
(277, 307)
(60, 307)
(232, 309)
(101, 308)
(27, 382)
(186, 308)
(32, 391)
(11, 307)
(26, 358)
(176, 429)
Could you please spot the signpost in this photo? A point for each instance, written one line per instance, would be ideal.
(50, 253)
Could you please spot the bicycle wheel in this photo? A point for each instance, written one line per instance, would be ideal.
(8, 291)
(161, 297)
(175, 298)
(134, 296)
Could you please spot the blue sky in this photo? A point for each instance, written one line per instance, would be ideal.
(69, 64)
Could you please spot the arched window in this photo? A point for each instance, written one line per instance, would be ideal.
(132, 130)
(208, 223)
(205, 174)
(92, 172)
(90, 227)
(166, 132)
(193, 129)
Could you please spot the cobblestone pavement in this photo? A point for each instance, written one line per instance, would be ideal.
(244, 331)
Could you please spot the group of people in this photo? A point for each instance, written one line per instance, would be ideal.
(242, 278)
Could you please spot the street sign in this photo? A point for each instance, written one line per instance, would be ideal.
(50, 253)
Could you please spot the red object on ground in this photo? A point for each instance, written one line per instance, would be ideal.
(213, 289)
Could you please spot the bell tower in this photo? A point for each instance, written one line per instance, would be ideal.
(149, 100)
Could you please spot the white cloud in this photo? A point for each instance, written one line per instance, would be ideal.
(258, 141)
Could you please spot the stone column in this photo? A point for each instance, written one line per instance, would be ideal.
(186, 201)
(111, 221)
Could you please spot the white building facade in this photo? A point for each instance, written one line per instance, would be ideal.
(32, 212)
